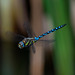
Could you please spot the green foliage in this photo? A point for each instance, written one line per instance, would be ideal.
(64, 45)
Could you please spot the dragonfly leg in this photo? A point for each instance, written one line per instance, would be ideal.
(33, 48)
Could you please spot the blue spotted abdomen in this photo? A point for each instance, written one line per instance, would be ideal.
(44, 34)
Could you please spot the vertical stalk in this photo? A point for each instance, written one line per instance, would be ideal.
(64, 45)
(6, 25)
(36, 60)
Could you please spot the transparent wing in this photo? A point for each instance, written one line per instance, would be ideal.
(49, 41)
(14, 36)
(28, 28)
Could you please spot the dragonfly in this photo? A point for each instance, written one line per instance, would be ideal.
(30, 40)
(27, 42)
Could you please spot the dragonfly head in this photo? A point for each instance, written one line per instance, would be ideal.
(21, 45)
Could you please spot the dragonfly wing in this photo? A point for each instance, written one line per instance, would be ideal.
(49, 41)
(28, 28)
(14, 36)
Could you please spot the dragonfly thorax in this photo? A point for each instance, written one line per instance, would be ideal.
(26, 42)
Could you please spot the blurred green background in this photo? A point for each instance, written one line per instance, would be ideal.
(56, 58)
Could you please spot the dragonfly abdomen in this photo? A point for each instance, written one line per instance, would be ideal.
(44, 34)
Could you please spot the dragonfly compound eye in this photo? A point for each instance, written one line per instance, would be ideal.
(21, 45)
